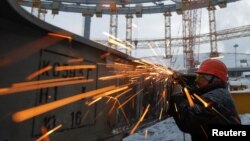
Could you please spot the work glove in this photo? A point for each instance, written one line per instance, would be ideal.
(186, 80)
(177, 97)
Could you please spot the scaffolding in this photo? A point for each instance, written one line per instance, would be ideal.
(187, 34)
(37, 11)
(212, 29)
(113, 24)
(129, 30)
(168, 53)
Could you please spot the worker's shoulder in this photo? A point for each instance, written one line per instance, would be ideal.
(217, 93)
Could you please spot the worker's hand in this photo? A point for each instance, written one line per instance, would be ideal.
(177, 98)
(177, 90)
(177, 76)
(188, 79)
(184, 79)
(193, 89)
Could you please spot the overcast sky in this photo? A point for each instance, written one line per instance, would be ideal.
(151, 26)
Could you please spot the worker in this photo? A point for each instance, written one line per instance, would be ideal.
(217, 108)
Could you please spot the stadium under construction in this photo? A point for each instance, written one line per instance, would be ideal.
(56, 85)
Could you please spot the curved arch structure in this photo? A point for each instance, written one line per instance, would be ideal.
(122, 6)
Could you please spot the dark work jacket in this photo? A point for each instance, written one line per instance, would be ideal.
(196, 120)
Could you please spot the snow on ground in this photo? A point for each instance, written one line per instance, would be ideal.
(247, 90)
(167, 130)
(245, 119)
(240, 81)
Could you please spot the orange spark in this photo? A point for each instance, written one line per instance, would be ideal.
(124, 65)
(164, 93)
(116, 100)
(190, 101)
(175, 107)
(139, 61)
(85, 116)
(160, 114)
(23, 84)
(113, 107)
(123, 93)
(115, 42)
(121, 88)
(153, 73)
(89, 103)
(105, 55)
(125, 102)
(46, 85)
(147, 62)
(141, 66)
(108, 100)
(63, 68)
(61, 36)
(44, 131)
(111, 77)
(49, 132)
(169, 72)
(75, 60)
(123, 113)
(35, 111)
(148, 77)
(201, 100)
(3, 90)
(37, 73)
(135, 76)
(140, 120)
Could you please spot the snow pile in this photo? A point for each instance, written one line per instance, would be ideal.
(240, 81)
(245, 119)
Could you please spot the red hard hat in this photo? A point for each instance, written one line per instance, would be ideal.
(213, 67)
